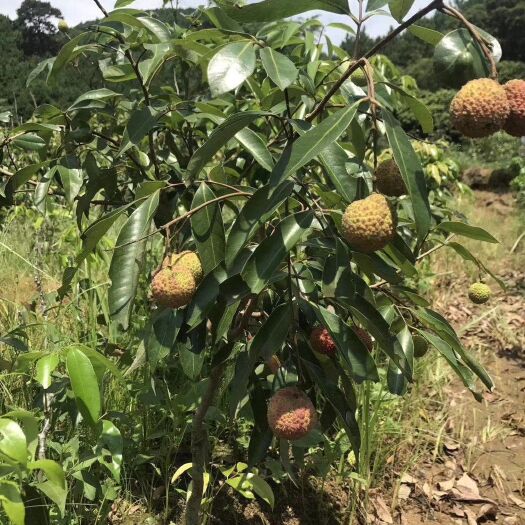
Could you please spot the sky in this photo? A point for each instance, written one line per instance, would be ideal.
(75, 11)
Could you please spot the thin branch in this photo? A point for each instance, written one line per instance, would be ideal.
(435, 4)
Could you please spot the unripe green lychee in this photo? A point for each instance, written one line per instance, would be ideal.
(63, 26)
(515, 124)
(365, 337)
(480, 108)
(420, 345)
(322, 342)
(479, 293)
(291, 414)
(173, 287)
(389, 180)
(185, 259)
(358, 77)
(369, 224)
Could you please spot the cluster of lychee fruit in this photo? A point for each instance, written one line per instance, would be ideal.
(175, 283)
(484, 106)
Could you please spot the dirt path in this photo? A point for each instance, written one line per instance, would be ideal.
(479, 477)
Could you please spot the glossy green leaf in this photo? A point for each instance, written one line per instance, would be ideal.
(29, 141)
(218, 138)
(270, 10)
(313, 142)
(466, 230)
(111, 440)
(55, 488)
(272, 334)
(139, 125)
(256, 146)
(411, 171)
(126, 263)
(191, 361)
(44, 368)
(84, 385)
(95, 98)
(13, 445)
(430, 36)
(255, 212)
(270, 253)
(399, 8)
(231, 66)
(12, 502)
(208, 228)
(396, 381)
(278, 67)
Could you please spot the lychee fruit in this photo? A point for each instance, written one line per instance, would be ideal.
(480, 108)
(369, 224)
(63, 26)
(515, 124)
(420, 345)
(479, 293)
(322, 342)
(185, 259)
(291, 414)
(173, 287)
(389, 180)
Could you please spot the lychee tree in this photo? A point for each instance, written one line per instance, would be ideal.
(250, 143)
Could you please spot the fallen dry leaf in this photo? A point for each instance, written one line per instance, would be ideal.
(446, 485)
(382, 510)
(487, 511)
(466, 484)
(517, 501)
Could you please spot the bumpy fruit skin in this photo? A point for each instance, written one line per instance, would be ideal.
(291, 414)
(322, 342)
(389, 180)
(479, 293)
(173, 287)
(420, 346)
(480, 108)
(365, 337)
(358, 77)
(186, 259)
(515, 124)
(63, 26)
(369, 224)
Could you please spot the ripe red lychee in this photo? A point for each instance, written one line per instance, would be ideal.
(291, 414)
(322, 342)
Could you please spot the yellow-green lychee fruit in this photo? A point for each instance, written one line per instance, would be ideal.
(173, 287)
(365, 337)
(480, 108)
(185, 259)
(63, 26)
(358, 77)
(420, 345)
(291, 414)
(369, 224)
(515, 124)
(479, 293)
(389, 180)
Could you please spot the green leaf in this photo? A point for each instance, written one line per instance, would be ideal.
(126, 263)
(458, 58)
(190, 361)
(110, 440)
(139, 125)
(55, 488)
(270, 10)
(399, 8)
(44, 368)
(411, 171)
(12, 502)
(313, 142)
(259, 207)
(350, 347)
(256, 146)
(95, 98)
(397, 383)
(29, 141)
(208, 229)
(272, 334)
(465, 230)
(84, 385)
(123, 3)
(270, 253)
(68, 52)
(420, 111)
(278, 67)
(430, 36)
(231, 66)
(71, 178)
(262, 489)
(13, 445)
(218, 138)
